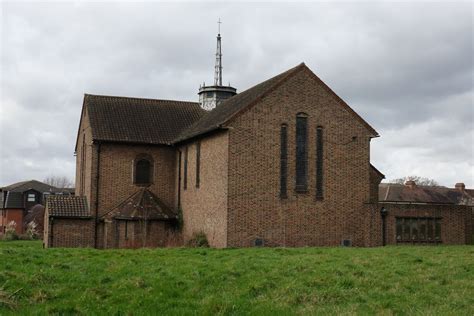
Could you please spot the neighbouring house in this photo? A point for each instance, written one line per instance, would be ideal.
(426, 214)
(283, 163)
(20, 202)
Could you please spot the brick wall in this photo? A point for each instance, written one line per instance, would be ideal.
(116, 168)
(68, 232)
(205, 208)
(86, 160)
(255, 208)
(455, 220)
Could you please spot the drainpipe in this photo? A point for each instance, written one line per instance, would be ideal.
(97, 196)
(51, 221)
(383, 213)
(179, 179)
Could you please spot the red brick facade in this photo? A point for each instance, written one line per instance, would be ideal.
(68, 232)
(238, 202)
(255, 207)
(205, 207)
(9, 215)
(456, 225)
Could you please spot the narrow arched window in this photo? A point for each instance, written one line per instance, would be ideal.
(301, 152)
(283, 160)
(319, 163)
(143, 173)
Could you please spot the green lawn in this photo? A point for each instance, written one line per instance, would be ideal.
(390, 280)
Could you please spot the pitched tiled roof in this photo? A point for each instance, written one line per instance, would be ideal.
(142, 204)
(147, 121)
(391, 192)
(67, 206)
(238, 103)
(31, 184)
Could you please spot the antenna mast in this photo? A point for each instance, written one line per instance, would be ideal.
(218, 67)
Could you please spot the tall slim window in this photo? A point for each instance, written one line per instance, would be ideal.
(198, 164)
(319, 163)
(142, 172)
(301, 153)
(185, 181)
(283, 160)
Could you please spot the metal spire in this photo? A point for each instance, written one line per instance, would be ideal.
(218, 67)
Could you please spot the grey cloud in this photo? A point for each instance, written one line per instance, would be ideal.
(407, 68)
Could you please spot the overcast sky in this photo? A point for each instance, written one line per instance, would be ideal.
(405, 68)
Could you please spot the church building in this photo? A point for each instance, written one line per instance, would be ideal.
(283, 163)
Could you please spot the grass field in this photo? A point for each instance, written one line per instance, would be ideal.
(390, 280)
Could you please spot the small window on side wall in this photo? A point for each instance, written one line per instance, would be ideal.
(143, 170)
(31, 197)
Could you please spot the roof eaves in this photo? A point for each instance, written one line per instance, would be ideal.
(80, 121)
(377, 170)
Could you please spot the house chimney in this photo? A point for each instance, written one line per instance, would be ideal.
(460, 186)
(411, 184)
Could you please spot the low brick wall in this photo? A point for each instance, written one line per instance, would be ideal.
(455, 221)
(69, 232)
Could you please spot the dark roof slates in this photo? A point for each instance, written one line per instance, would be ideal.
(392, 192)
(31, 184)
(147, 121)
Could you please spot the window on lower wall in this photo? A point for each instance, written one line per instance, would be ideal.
(418, 229)
(142, 172)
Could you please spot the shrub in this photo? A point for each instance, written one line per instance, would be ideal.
(31, 231)
(10, 231)
(174, 238)
(199, 240)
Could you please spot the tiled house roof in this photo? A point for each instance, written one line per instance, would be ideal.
(31, 184)
(391, 192)
(11, 196)
(67, 206)
(142, 204)
(135, 120)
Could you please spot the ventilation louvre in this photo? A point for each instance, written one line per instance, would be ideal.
(259, 242)
(346, 243)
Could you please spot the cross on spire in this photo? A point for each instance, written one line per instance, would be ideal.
(219, 26)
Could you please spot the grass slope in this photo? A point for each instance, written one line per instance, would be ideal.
(390, 280)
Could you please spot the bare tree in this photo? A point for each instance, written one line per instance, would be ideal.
(59, 181)
(418, 180)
